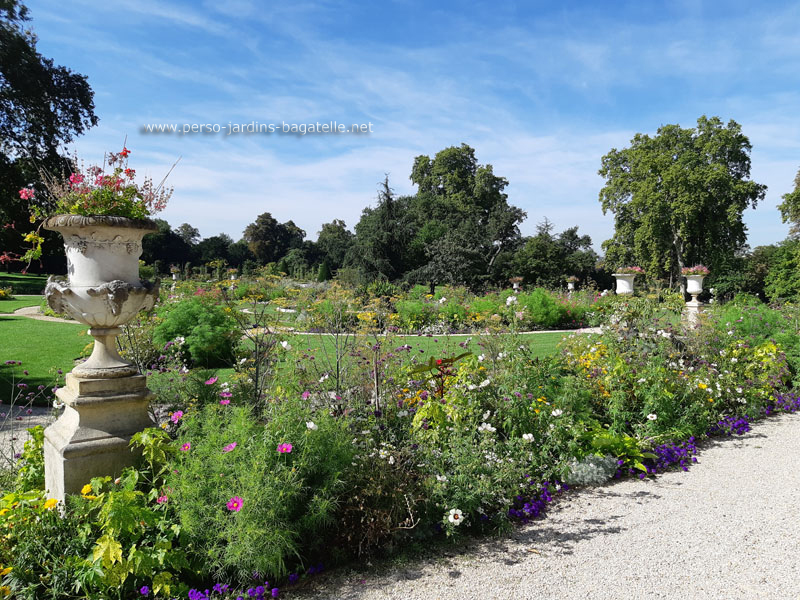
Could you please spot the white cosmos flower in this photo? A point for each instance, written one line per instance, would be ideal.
(481, 357)
(455, 516)
(323, 378)
(286, 345)
(58, 405)
(441, 478)
(311, 425)
(652, 417)
(402, 413)
(486, 427)
(442, 300)
(557, 412)
(642, 380)
(484, 383)
(511, 300)
(528, 437)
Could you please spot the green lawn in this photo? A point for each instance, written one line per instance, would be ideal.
(23, 284)
(42, 346)
(9, 306)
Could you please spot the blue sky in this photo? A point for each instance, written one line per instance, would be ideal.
(541, 90)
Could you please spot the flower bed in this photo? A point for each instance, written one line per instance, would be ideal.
(334, 460)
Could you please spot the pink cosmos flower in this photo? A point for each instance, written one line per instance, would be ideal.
(176, 416)
(76, 179)
(229, 447)
(211, 381)
(186, 447)
(306, 395)
(284, 448)
(235, 504)
(161, 499)
(225, 394)
(26, 193)
(225, 401)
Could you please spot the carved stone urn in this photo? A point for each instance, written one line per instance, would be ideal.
(106, 399)
(624, 282)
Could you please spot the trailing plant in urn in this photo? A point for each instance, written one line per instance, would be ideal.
(110, 189)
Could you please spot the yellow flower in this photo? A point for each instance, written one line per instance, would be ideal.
(86, 489)
(5, 591)
(6, 571)
(4, 511)
(702, 386)
(50, 504)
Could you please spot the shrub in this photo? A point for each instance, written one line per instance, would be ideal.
(541, 309)
(30, 475)
(210, 333)
(6, 293)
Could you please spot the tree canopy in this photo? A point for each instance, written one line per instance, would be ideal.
(678, 197)
(42, 106)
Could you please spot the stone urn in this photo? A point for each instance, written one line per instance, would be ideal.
(571, 286)
(105, 398)
(624, 282)
(694, 285)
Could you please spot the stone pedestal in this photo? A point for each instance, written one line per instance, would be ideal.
(692, 311)
(91, 438)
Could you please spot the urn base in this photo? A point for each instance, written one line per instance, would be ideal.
(91, 438)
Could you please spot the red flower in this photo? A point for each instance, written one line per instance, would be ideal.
(125, 152)
(438, 361)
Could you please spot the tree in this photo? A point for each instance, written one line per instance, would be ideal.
(165, 245)
(381, 243)
(678, 197)
(334, 241)
(189, 234)
(42, 107)
(546, 259)
(217, 246)
(269, 240)
(455, 193)
(790, 207)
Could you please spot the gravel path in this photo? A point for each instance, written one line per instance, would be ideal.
(13, 425)
(729, 528)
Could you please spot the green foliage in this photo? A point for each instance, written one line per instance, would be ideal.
(209, 332)
(783, 278)
(30, 475)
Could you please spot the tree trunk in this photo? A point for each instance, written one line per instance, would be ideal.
(678, 244)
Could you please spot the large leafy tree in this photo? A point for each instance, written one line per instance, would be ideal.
(42, 106)
(463, 202)
(678, 197)
(790, 207)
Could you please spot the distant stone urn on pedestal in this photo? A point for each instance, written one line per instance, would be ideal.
(694, 287)
(625, 277)
(106, 399)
